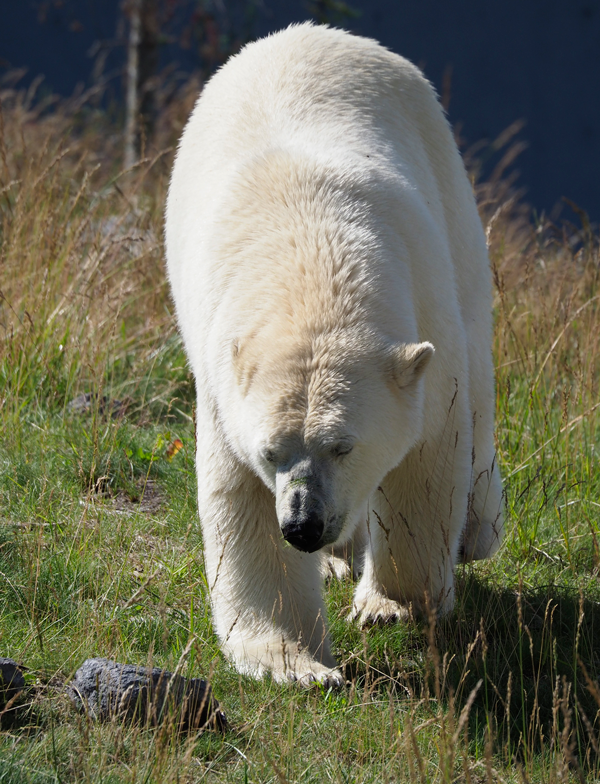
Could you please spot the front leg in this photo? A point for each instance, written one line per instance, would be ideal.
(266, 597)
(415, 525)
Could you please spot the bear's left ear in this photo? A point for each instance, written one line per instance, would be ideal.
(409, 361)
(243, 366)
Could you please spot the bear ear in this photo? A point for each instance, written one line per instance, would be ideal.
(237, 360)
(409, 361)
(243, 368)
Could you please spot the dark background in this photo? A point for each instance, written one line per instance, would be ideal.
(493, 63)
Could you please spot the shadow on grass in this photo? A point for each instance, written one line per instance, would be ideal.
(523, 662)
(535, 652)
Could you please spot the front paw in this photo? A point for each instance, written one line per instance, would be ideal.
(304, 676)
(377, 609)
(305, 671)
(285, 662)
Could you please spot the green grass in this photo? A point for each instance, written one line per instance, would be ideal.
(101, 551)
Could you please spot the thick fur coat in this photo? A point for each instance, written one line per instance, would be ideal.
(333, 290)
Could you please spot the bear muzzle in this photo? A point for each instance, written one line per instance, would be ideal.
(304, 531)
(304, 515)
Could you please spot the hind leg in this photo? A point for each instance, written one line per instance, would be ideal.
(485, 521)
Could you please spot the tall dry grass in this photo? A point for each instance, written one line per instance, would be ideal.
(81, 253)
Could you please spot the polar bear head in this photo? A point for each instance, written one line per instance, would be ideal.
(322, 421)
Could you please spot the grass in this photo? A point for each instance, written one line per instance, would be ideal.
(101, 553)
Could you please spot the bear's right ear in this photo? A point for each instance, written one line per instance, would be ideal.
(243, 367)
(409, 361)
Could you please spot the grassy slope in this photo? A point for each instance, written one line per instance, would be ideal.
(101, 554)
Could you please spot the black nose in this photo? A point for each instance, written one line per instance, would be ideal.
(304, 532)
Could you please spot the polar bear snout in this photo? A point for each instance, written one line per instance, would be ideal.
(301, 514)
(301, 507)
(304, 530)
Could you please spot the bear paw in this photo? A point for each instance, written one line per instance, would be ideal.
(285, 667)
(304, 670)
(377, 609)
(328, 679)
(332, 566)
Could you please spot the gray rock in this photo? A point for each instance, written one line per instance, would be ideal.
(105, 688)
(11, 681)
(86, 402)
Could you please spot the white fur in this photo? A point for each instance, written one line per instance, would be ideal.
(322, 238)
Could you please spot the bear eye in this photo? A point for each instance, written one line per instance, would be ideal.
(269, 455)
(341, 450)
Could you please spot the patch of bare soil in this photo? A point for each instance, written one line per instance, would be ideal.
(149, 500)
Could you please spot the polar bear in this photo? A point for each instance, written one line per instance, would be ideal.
(333, 291)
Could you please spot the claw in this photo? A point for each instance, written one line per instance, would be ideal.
(377, 610)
